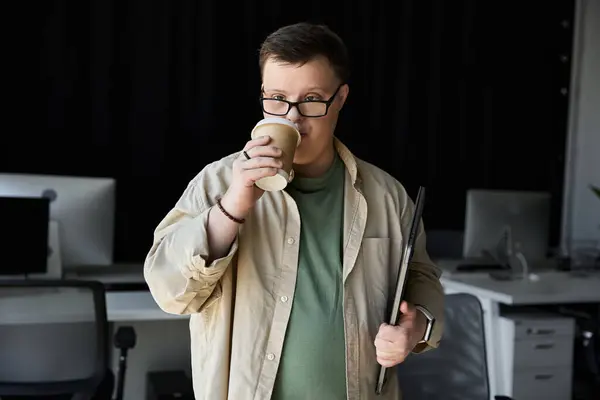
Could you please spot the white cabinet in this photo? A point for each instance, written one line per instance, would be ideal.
(536, 355)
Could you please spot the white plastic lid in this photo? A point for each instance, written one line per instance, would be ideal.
(274, 183)
(277, 120)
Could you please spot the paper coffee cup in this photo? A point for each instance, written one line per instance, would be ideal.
(284, 135)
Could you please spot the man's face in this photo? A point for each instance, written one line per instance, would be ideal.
(314, 80)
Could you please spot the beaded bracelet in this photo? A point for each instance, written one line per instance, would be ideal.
(231, 217)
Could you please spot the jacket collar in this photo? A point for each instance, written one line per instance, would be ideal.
(349, 160)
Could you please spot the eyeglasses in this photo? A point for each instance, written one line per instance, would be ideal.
(306, 108)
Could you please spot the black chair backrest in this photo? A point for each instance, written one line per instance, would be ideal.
(53, 337)
(457, 369)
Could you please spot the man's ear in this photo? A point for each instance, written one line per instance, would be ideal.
(344, 91)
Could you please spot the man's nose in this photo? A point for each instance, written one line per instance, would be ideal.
(294, 115)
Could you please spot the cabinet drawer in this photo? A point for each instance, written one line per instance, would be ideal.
(542, 383)
(544, 352)
(526, 328)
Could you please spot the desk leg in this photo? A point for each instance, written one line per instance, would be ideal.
(493, 342)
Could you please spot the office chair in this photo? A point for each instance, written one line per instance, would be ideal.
(54, 338)
(457, 369)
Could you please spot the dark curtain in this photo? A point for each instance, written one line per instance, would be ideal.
(450, 95)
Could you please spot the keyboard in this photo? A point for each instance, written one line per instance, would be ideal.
(481, 267)
(126, 286)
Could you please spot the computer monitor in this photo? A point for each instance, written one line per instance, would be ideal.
(24, 244)
(83, 207)
(500, 218)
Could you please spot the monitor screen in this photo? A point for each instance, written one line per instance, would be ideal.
(83, 209)
(500, 221)
(24, 244)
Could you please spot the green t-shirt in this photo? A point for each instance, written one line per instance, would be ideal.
(313, 363)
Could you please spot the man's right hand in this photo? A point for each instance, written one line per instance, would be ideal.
(264, 161)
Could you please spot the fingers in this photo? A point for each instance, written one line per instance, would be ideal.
(261, 162)
(384, 345)
(261, 156)
(250, 176)
(258, 148)
(390, 345)
(389, 354)
(387, 332)
(259, 141)
(393, 343)
(406, 308)
(408, 314)
(264, 161)
(264, 151)
(390, 361)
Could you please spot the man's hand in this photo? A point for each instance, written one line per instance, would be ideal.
(264, 161)
(394, 343)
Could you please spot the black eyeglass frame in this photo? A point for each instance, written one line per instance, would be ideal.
(297, 103)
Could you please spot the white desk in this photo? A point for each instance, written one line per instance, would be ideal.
(118, 273)
(73, 307)
(120, 307)
(550, 288)
(124, 306)
(135, 306)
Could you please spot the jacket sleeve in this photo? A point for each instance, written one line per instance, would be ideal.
(175, 269)
(423, 283)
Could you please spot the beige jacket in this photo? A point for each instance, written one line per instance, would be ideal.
(240, 304)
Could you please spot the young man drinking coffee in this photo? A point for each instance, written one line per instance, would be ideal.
(288, 289)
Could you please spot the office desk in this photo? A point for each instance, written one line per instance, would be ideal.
(550, 288)
(124, 306)
(120, 307)
(135, 306)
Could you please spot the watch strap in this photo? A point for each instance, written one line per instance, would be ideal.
(430, 321)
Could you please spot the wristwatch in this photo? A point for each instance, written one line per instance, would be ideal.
(430, 322)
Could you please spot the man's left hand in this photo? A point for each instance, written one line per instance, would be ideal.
(394, 343)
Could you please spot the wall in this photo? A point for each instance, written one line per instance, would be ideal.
(581, 207)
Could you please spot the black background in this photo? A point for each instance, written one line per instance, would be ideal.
(450, 95)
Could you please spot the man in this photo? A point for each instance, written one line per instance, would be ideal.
(289, 290)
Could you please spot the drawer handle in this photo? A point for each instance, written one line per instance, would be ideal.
(544, 346)
(543, 377)
(541, 331)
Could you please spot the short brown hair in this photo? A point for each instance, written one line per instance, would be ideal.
(303, 42)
